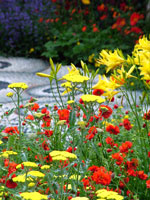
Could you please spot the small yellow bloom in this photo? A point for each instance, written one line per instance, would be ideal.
(1, 142)
(32, 184)
(70, 102)
(78, 43)
(45, 167)
(82, 124)
(31, 50)
(61, 122)
(9, 94)
(90, 58)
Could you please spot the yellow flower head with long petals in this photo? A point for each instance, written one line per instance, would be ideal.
(143, 44)
(111, 59)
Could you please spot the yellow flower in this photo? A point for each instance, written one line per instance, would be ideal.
(70, 101)
(82, 124)
(110, 94)
(143, 44)
(61, 122)
(104, 194)
(6, 154)
(105, 84)
(145, 71)
(92, 98)
(111, 59)
(27, 164)
(36, 174)
(18, 86)
(75, 78)
(66, 85)
(38, 115)
(45, 167)
(80, 198)
(33, 196)
(31, 50)
(86, 2)
(32, 184)
(75, 177)
(9, 94)
(1, 142)
(22, 178)
(78, 43)
(90, 58)
(62, 155)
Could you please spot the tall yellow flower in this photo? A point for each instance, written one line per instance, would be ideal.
(143, 44)
(105, 84)
(111, 59)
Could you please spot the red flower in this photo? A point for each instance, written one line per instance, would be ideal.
(132, 164)
(119, 23)
(35, 107)
(142, 176)
(125, 146)
(105, 111)
(118, 157)
(29, 117)
(48, 133)
(103, 17)
(113, 129)
(11, 130)
(127, 124)
(147, 115)
(63, 114)
(98, 92)
(148, 183)
(134, 18)
(45, 146)
(102, 176)
(110, 141)
(136, 30)
(84, 28)
(10, 184)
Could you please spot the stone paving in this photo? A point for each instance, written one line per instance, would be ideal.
(24, 70)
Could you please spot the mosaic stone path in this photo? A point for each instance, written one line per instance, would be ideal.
(24, 70)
